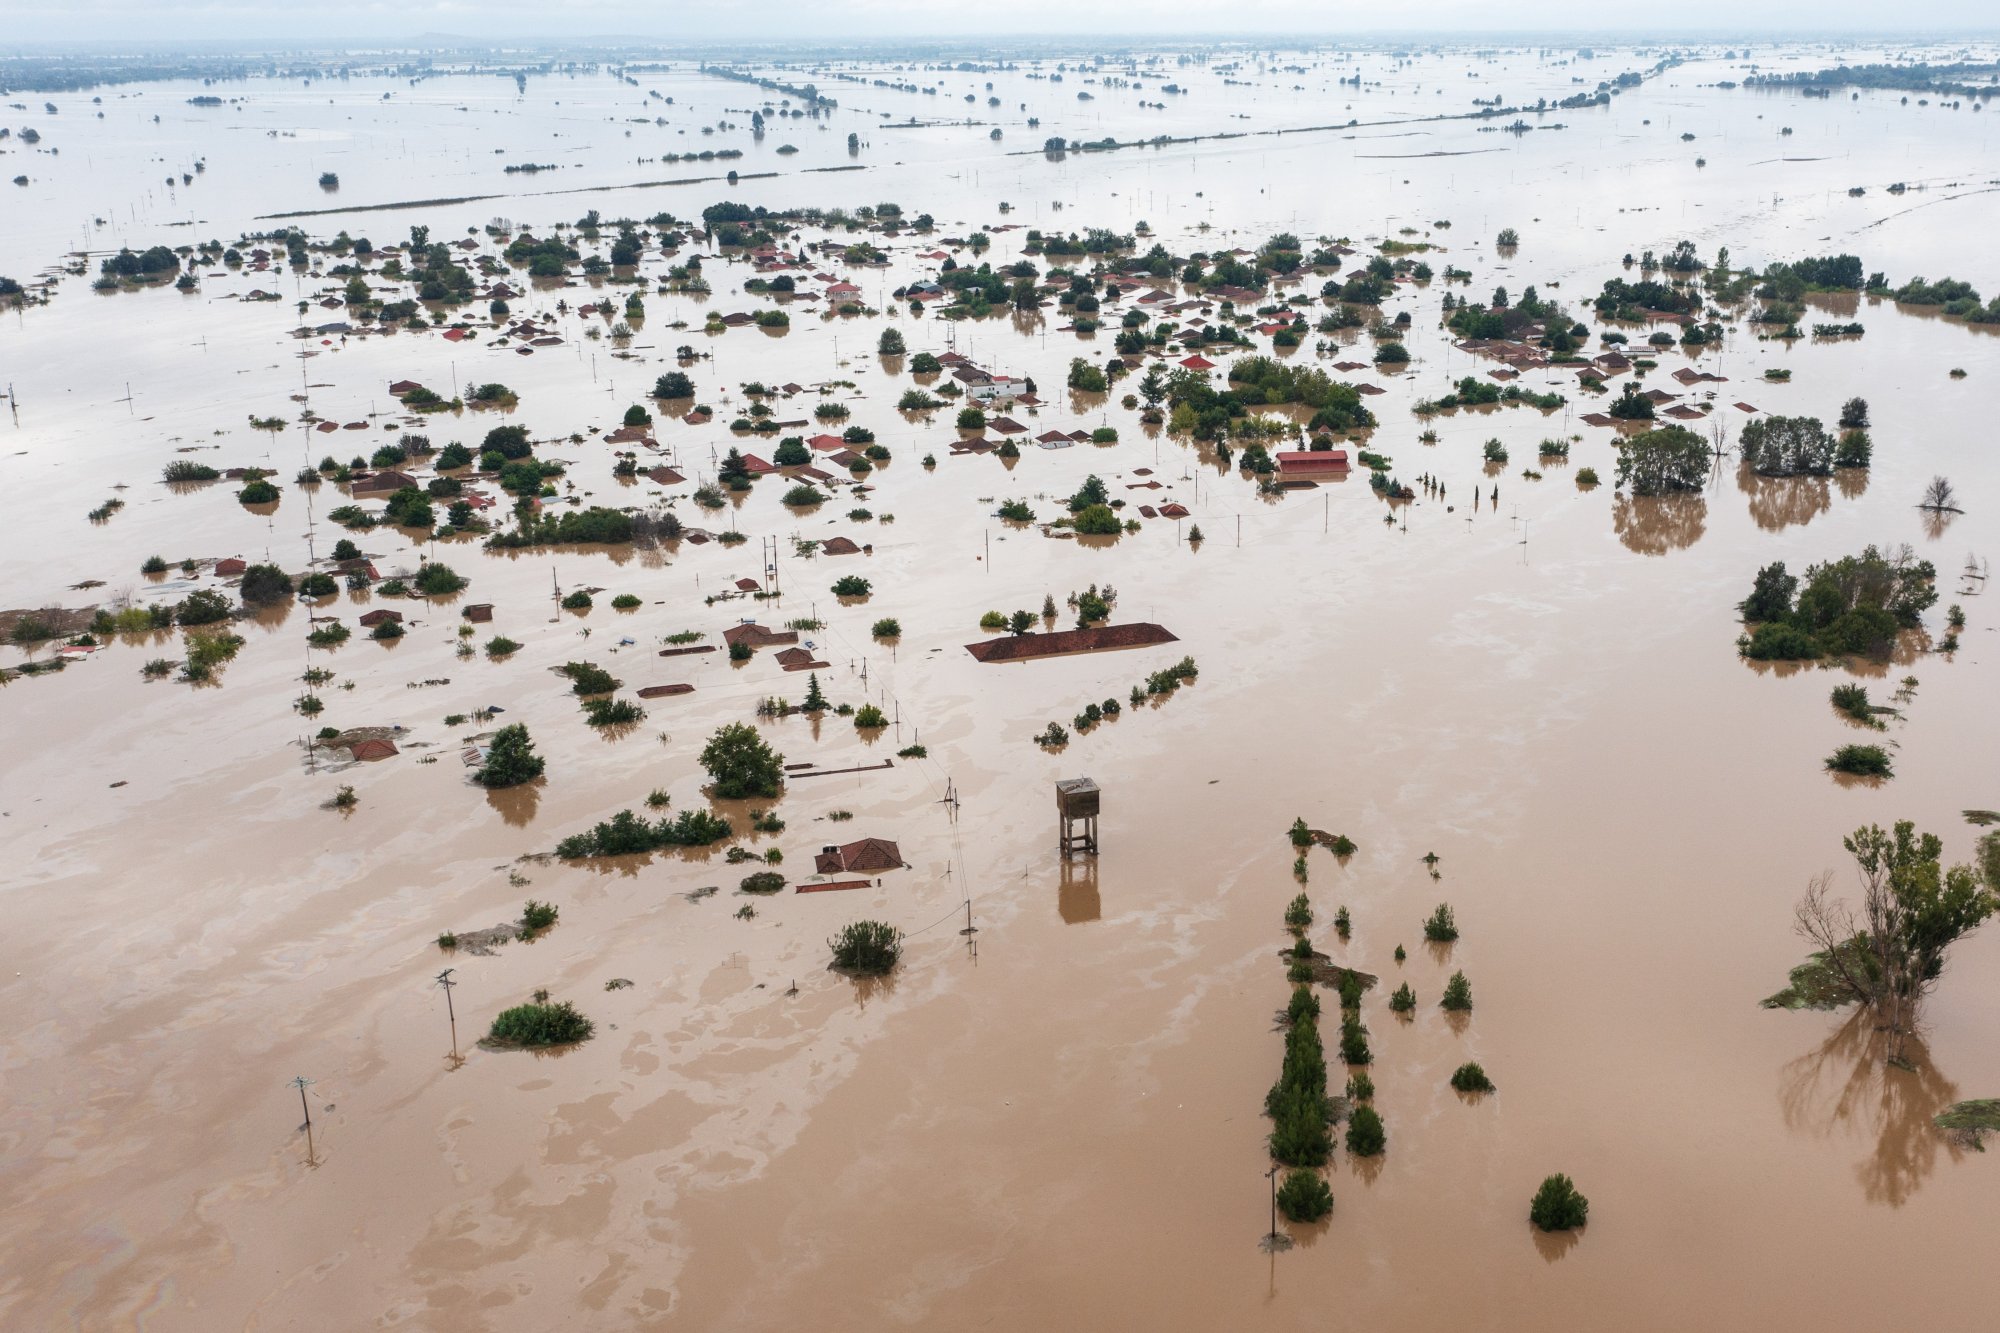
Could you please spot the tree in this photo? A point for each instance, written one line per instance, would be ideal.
(1854, 412)
(1940, 498)
(1365, 1135)
(1770, 595)
(673, 384)
(1890, 956)
(1098, 521)
(1664, 460)
(1305, 1196)
(507, 441)
(1507, 237)
(636, 415)
(741, 764)
(265, 583)
(1787, 447)
(1557, 1206)
(510, 758)
(890, 343)
(867, 947)
(1086, 378)
(1020, 623)
(815, 698)
(1631, 404)
(204, 606)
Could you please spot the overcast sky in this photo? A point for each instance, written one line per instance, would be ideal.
(364, 22)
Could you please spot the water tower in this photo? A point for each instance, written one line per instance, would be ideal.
(1076, 803)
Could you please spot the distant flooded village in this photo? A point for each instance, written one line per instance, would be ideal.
(1029, 682)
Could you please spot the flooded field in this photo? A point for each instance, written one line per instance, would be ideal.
(1057, 1119)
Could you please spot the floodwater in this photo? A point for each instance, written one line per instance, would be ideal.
(1057, 1125)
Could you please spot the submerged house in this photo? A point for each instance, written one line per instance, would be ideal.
(868, 856)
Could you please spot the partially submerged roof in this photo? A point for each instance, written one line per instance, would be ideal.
(1020, 647)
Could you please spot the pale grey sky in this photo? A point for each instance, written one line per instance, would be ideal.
(366, 22)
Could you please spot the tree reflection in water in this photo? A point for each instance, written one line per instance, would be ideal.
(1846, 1084)
(1657, 524)
(516, 805)
(1777, 503)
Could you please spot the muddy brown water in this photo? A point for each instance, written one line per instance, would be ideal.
(1062, 1127)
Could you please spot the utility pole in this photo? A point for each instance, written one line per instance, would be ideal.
(302, 1083)
(444, 980)
(1274, 1240)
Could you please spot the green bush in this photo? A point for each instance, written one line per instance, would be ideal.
(1098, 521)
(1557, 1206)
(1457, 994)
(1299, 914)
(388, 629)
(589, 678)
(577, 601)
(1853, 701)
(1365, 1135)
(871, 948)
(500, 646)
(1360, 1087)
(1300, 835)
(1304, 1196)
(1439, 926)
(627, 834)
(538, 916)
(1868, 761)
(436, 580)
(1016, 511)
(850, 585)
(1469, 1077)
(1404, 1000)
(887, 628)
(540, 1024)
(258, 492)
(868, 717)
(626, 601)
(612, 712)
(762, 881)
(183, 469)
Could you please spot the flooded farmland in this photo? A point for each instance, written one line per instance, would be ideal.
(1516, 692)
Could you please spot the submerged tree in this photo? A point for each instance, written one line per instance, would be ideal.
(1940, 497)
(741, 764)
(510, 759)
(1664, 460)
(1889, 955)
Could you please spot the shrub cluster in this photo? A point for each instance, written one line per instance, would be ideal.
(540, 1024)
(626, 833)
(868, 947)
